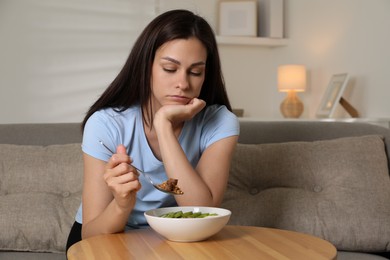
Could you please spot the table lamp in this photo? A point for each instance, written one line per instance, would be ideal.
(291, 79)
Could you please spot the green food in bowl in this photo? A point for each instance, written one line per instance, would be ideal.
(189, 214)
(192, 229)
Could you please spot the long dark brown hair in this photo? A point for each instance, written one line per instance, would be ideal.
(133, 83)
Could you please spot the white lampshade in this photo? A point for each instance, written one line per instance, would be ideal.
(292, 77)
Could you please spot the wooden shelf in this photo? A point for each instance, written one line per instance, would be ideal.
(255, 41)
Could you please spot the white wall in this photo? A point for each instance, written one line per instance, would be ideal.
(57, 56)
(328, 36)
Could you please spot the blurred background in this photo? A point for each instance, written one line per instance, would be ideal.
(57, 56)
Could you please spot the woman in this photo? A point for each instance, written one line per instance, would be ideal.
(168, 114)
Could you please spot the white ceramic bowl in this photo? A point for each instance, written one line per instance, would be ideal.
(187, 229)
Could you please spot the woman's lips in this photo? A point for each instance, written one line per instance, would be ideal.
(180, 99)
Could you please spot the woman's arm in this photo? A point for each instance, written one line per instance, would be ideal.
(206, 184)
(109, 193)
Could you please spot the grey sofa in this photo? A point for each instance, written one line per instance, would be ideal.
(329, 179)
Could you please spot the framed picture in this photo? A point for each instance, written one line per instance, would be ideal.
(332, 95)
(238, 18)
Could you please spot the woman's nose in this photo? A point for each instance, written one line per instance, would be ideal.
(183, 81)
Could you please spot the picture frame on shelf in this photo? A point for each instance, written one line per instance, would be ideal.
(332, 95)
(238, 18)
(271, 18)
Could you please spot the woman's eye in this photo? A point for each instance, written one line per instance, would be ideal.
(196, 73)
(169, 70)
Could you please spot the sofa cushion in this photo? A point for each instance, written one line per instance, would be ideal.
(337, 189)
(40, 190)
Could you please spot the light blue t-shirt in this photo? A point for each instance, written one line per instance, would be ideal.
(213, 123)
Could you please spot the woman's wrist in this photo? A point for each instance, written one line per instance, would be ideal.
(161, 123)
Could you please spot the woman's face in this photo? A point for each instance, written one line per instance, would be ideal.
(178, 72)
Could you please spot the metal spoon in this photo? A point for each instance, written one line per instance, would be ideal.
(144, 174)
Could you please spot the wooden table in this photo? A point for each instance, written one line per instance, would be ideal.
(232, 242)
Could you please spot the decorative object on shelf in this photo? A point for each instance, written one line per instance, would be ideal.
(239, 112)
(291, 79)
(238, 18)
(333, 96)
(271, 18)
(351, 110)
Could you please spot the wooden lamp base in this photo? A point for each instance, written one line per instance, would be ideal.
(292, 106)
